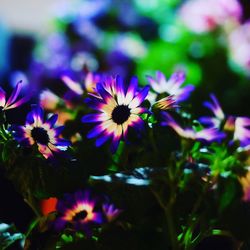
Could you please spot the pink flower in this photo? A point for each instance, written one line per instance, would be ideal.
(239, 45)
(205, 15)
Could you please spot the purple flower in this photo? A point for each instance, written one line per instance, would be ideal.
(77, 211)
(117, 110)
(216, 109)
(11, 102)
(238, 126)
(42, 133)
(111, 212)
(173, 86)
(206, 134)
(242, 130)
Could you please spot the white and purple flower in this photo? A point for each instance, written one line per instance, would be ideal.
(206, 134)
(173, 86)
(42, 133)
(77, 211)
(117, 110)
(239, 126)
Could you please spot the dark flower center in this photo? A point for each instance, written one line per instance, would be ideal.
(40, 135)
(120, 114)
(80, 216)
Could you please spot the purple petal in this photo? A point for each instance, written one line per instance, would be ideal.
(19, 102)
(210, 134)
(114, 144)
(95, 131)
(132, 88)
(94, 103)
(52, 120)
(210, 121)
(177, 78)
(102, 91)
(138, 124)
(91, 118)
(160, 77)
(14, 94)
(35, 114)
(25, 142)
(100, 141)
(59, 130)
(59, 224)
(62, 142)
(139, 98)
(120, 90)
(80, 196)
(186, 91)
(154, 84)
(167, 118)
(215, 107)
(98, 218)
(2, 97)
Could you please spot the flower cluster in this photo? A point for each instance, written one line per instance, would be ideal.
(209, 147)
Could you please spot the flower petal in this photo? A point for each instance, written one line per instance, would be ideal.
(14, 94)
(2, 97)
(139, 98)
(131, 90)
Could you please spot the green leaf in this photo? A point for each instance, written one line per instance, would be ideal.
(67, 238)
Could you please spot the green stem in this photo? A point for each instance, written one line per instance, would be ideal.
(168, 210)
(186, 239)
(3, 132)
(152, 141)
(171, 227)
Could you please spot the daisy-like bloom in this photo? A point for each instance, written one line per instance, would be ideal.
(111, 212)
(11, 102)
(209, 14)
(238, 126)
(173, 86)
(206, 134)
(42, 133)
(89, 83)
(77, 211)
(118, 110)
(219, 115)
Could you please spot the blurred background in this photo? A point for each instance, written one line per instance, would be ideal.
(42, 40)
(209, 40)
